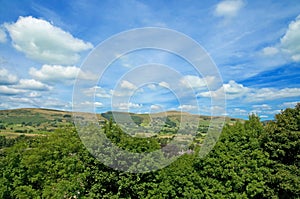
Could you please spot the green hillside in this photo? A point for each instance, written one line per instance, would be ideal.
(33, 120)
(250, 160)
(36, 120)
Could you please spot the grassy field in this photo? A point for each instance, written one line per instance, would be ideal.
(35, 121)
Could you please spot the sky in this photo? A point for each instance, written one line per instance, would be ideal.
(255, 46)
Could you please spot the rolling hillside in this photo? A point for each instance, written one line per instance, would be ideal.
(37, 121)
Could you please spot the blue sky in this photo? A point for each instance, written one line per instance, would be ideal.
(254, 44)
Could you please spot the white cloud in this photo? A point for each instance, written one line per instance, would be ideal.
(32, 99)
(290, 42)
(97, 91)
(120, 93)
(192, 81)
(155, 107)
(4, 106)
(125, 88)
(126, 106)
(262, 106)
(31, 84)
(263, 116)
(195, 82)
(232, 90)
(269, 51)
(98, 104)
(21, 101)
(238, 111)
(229, 8)
(164, 84)
(55, 104)
(89, 103)
(5, 90)
(34, 94)
(2, 36)
(6, 77)
(289, 104)
(128, 85)
(42, 41)
(57, 73)
(151, 86)
(187, 107)
(264, 94)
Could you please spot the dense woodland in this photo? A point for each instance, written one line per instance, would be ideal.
(250, 160)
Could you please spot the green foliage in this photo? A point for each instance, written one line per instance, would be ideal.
(169, 123)
(249, 161)
(133, 144)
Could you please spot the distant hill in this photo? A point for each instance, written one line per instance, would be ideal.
(39, 120)
(33, 120)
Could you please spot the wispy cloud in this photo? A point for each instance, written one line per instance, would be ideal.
(266, 94)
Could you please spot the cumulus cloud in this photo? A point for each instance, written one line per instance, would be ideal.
(229, 8)
(192, 81)
(31, 84)
(2, 36)
(125, 88)
(232, 90)
(155, 107)
(5, 90)
(42, 41)
(290, 42)
(57, 73)
(196, 82)
(98, 104)
(6, 77)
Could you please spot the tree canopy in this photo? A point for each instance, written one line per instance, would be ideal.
(250, 160)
